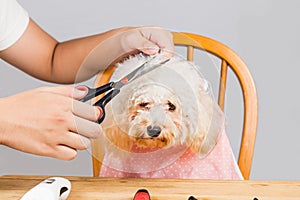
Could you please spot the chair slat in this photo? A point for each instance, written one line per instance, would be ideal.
(190, 53)
(222, 84)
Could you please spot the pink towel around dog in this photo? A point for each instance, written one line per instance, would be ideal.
(219, 164)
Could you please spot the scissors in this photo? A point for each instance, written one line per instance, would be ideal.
(114, 87)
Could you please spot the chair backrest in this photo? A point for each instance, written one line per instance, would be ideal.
(229, 59)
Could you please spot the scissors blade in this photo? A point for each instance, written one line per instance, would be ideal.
(138, 72)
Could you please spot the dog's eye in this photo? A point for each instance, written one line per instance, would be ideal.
(172, 107)
(143, 104)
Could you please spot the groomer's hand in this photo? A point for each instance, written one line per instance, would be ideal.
(149, 40)
(48, 121)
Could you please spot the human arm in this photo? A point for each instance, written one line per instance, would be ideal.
(43, 57)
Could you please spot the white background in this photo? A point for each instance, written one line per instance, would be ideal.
(264, 33)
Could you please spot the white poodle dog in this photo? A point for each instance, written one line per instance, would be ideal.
(165, 124)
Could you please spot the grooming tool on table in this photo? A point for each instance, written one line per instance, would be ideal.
(54, 188)
(142, 194)
(114, 87)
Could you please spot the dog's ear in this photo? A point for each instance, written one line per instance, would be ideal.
(210, 121)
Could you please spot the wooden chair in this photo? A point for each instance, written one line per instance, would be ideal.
(228, 59)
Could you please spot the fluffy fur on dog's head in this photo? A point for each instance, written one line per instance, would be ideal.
(168, 106)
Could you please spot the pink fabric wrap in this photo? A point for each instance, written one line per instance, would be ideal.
(219, 164)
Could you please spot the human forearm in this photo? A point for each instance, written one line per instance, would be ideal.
(84, 57)
(69, 56)
(41, 56)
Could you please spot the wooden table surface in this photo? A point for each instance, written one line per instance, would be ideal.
(88, 188)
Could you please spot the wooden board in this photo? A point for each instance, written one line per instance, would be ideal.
(89, 188)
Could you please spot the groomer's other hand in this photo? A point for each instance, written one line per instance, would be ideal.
(48, 121)
(149, 40)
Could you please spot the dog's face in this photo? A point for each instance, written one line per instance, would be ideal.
(166, 107)
(155, 116)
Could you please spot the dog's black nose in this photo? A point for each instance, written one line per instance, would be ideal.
(153, 131)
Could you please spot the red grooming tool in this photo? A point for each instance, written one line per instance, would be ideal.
(142, 194)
